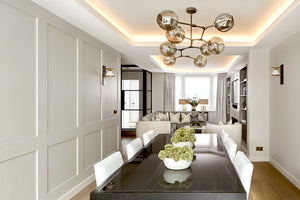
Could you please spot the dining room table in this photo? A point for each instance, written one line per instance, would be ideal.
(211, 176)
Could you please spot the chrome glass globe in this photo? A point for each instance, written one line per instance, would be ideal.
(176, 35)
(224, 22)
(204, 50)
(216, 45)
(167, 49)
(200, 61)
(169, 60)
(167, 20)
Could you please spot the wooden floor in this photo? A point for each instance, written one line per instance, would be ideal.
(267, 183)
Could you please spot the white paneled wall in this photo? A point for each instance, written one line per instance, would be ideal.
(56, 117)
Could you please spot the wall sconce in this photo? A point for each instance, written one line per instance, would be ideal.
(107, 72)
(279, 73)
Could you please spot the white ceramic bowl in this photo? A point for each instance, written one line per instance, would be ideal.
(182, 144)
(172, 176)
(170, 163)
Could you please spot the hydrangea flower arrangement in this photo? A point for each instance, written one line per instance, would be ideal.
(176, 153)
(184, 135)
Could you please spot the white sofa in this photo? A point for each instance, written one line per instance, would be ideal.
(156, 126)
(234, 130)
(165, 126)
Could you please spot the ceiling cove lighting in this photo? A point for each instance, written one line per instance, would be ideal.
(168, 20)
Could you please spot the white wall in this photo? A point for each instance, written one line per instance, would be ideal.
(285, 109)
(158, 91)
(258, 107)
(56, 118)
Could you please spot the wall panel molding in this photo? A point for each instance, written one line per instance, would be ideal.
(60, 136)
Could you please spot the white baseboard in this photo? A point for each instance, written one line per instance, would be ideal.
(286, 173)
(259, 158)
(70, 194)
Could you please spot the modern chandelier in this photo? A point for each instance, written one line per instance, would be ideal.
(168, 20)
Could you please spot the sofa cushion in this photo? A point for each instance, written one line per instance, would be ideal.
(185, 118)
(175, 118)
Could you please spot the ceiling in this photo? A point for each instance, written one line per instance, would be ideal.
(130, 27)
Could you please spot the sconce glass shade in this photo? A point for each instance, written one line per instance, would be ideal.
(167, 49)
(176, 35)
(216, 45)
(200, 61)
(224, 22)
(167, 20)
(169, 60)
(204, 49)
(275, 73)
(109, 73)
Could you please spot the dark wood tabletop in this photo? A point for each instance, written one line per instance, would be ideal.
(211, 176)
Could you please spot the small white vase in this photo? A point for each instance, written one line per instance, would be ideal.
(170, 163)
(182, 144)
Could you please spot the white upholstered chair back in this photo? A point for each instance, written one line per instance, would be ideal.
(231, 148)
(244, 168)
(107, 167)
(133, 147)
(148, 136)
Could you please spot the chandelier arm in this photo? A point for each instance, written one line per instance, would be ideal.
(202, 34)
(190, 47)
(200, 39)
(186, 56)
(210, 26)
(192, 25)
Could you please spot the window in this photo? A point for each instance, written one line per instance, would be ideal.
(202, 87)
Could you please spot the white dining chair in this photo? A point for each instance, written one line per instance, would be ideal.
(244, 168)
(133, 147)
(148, 136)
(107, 167)
(231, 148)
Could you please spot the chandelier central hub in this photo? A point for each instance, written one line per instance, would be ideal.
(168, 20)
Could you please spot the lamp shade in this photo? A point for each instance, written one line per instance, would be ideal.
(109, 73)
(183, 101)
(275, 73)
(203, 101)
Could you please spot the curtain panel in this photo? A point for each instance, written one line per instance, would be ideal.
(169, 100)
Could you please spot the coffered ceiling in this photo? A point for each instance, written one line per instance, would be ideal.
(130, 27)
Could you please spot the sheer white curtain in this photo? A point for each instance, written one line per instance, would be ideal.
(202, 87)
(169, 103)
(221, 98)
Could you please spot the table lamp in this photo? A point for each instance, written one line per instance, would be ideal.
(203, 102)
(183, 102)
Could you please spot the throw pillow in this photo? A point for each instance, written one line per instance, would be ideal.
(201, 117)
(194, 118)
(161, 117)
(175, 118)
(185, 118)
